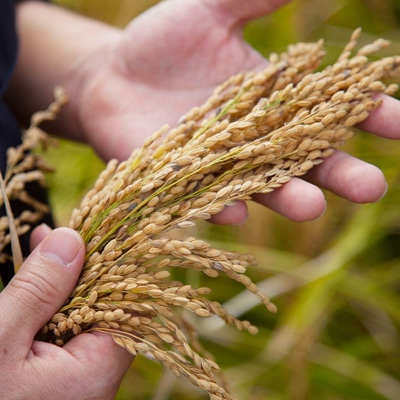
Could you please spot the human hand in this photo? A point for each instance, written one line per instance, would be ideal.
(124, 85)
(170, 58)
(90, 366)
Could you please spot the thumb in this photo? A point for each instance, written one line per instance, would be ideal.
(41, 286)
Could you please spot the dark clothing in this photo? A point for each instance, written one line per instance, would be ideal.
(8, 42)
(9, 129)
(10, 133)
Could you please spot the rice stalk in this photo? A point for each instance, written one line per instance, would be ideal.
(24, 166)
(255, 132)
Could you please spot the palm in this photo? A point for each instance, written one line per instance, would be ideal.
(169, 60)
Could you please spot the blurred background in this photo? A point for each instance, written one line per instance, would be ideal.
(336, 281)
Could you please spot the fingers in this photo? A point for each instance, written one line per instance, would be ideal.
(40, 287)
(231, 215)
(385, 120)
(342, 174)
(350, 178)
(302, 200)
(38, 234)
(297, 200)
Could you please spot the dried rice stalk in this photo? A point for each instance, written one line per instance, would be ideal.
(257, 131)
(25, 165)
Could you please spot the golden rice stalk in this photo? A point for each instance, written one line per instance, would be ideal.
(256, 132)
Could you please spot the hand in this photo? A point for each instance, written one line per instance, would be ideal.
(170, 59)
(125, 85)
(91, 365)
(167, 60)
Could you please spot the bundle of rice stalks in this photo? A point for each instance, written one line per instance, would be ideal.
(256, 132)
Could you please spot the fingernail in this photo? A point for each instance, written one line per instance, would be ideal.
(320, 215)
(62, 245)
(384, 193)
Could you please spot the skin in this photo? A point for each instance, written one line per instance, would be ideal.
(90, 366)
(123, 85)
